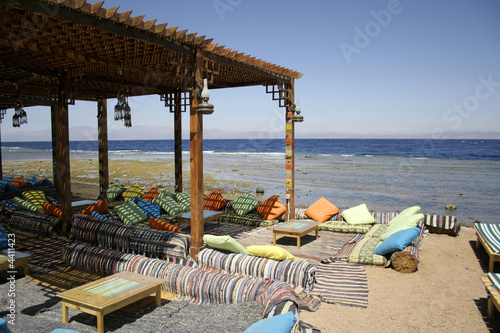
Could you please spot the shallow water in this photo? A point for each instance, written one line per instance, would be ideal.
(384, 183)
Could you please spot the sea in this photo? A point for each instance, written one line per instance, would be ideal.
(385, 174)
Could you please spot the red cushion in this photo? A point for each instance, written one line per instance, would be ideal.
(150, 195)
(24, 185)
(100, 207)
(52, 210)
(162, 225)
(271, 209)
(17, 181)
(214, 201)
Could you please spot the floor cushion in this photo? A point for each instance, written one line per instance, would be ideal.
(226, 243)
(362, 253)
(322, 210)
(271, 208)
(35, 197)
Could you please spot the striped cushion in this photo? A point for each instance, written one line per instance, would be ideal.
(244, 204)
(35, 197)
(495, 279)
(491, 234)
(134, 191)
(184, 200)
(363, 253)
(341, 226)
(169, 205)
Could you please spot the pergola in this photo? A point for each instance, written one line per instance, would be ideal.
(53, 52)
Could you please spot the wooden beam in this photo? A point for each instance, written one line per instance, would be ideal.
(1, 163)
(196, 153)
(99, 23)
(55, 159)
(178, 141)
(290, 155)
(102, 128)
(63, 154)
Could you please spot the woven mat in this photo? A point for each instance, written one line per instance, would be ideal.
(345, 250)
(342, 283)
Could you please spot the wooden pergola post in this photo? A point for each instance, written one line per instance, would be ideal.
(55, 165)
(290, 153)
(102, 127)
(178, 141)
(63, 153)
(1, 163)
(196, 153)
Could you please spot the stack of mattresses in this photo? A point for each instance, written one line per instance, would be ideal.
(295, 273)
(188, 283)
(127, 238)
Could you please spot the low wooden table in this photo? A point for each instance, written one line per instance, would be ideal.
(20, 259)
(109, 294)
(295, 228)
(208, 215)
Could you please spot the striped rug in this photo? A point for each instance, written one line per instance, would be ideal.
(342, 283)
(345, 250)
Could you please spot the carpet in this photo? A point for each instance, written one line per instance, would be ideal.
(46, 254)
(345, 250)
(342, 283)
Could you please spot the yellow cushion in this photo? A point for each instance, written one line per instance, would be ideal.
(322, 210)
(134, 191)
(270, 252)
(37, 198)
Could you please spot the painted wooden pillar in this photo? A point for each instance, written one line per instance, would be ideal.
(55, 164)
(102, 128)
(63, 154)
(178, 141)
(196, 154)
(290, 154)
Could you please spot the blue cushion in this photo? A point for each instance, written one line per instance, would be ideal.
(99, 215)
(63, 330)
(149, 208)
(10, 187)
(397, 241)
(31, 180)
(4, 239)
(3, 326)
(4, 182)
(278, 324)
(8, 203)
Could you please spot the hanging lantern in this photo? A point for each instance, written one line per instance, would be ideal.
(204, 107)
(20, 117)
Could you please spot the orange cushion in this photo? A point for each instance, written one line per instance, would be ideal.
(52, 210)
(24, 185)
(151, 194)
(214, 201)
(271, 209)
(322, 210)
(100, 207)
(158, 224)
(17, 181)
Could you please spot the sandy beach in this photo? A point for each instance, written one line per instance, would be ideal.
(445, 294)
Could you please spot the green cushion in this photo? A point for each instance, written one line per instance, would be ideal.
(406, 212)
(169, 205)
(358, 215)
(114, 190)
(376, 231)
(165, 194)
(226, 243)
(28, 206)
(130, 213)
(362, 253)
(184, 200)
(342, 226)
(244, 204)
(404, 223)
(35, 197)
(134, 192)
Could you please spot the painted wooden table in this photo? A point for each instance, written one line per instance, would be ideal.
(208, 215)
(20, 259)
(296, 229)
(109, 294)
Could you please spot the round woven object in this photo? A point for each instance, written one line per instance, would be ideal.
(404, 262)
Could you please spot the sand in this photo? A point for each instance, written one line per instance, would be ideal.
(445, 294)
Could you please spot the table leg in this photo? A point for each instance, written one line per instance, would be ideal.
(298, 242)
(274, 238)
(158, 297)
(64, 313)
(100, 322)
(491, 310)
(316, 233)
(26, 268)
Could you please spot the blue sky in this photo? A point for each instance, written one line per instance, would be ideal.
(408, 69)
